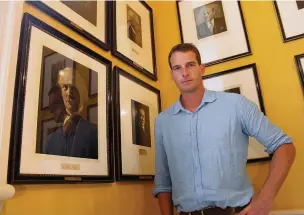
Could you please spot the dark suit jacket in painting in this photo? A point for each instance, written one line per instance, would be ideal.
(82, 142)
(203, 30)
(142, 137)
(219, 25)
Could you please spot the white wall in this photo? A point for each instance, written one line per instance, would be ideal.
(10, 23)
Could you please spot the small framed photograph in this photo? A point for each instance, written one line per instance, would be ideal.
(47, 127)
(300, 64)
(217, 29)
(92, 113)
(136, 106)
(289, 13)
(244, 81)
(141, 132)
(93, 83)
(66, 142)
(91, 19)
(133, 36)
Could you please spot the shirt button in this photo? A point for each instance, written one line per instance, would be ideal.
(196, 166)
(193, 115)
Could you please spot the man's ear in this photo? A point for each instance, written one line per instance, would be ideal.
(202, 69)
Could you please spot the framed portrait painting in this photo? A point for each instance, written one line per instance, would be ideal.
(300, 64)
(244, 81)
(91, 19)
(216, 28)
(133, 36)
(136, 106)
(58, 144)
(289, 13)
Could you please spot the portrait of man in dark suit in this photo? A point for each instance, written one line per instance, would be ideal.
(76, 137)
(134, 26)
(141, 124)
(210, 19)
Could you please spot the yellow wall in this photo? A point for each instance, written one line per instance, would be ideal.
(283, 99)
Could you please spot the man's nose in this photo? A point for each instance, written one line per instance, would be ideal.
(185, 72)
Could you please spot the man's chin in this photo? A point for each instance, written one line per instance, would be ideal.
(188, 90)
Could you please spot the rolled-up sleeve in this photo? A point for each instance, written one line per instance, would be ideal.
(257, 125)
(162, 178)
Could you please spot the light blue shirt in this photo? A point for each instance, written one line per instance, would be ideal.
(201, 156)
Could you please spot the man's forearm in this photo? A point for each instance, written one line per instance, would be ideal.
(281, 163)
(165, 203)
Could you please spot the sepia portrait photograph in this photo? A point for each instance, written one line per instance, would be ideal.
(300, 4)
(138, 105)
(133, 36)
(86, 9)
(67, 97)
(140, 124)
(210, 19)
(134, 26)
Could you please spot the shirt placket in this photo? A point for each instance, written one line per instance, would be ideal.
(197, 169)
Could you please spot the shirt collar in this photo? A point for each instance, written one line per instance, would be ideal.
(209, 96)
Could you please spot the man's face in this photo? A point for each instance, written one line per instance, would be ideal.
(57, 107)
(210, 13)
(71, 97)
(142, 118)
(186, 72)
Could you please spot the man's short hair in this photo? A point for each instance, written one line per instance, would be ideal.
(185, 47)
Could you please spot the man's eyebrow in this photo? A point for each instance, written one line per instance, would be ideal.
(186, 63)
(191, 62)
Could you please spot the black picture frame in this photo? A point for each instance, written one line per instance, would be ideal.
(259, 94)
(300, 68)
(247, 53)
(118, 72)
(14, 175)
(284, 37)
(105, 45)
(152, 75)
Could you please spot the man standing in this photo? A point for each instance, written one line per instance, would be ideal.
(201, 145)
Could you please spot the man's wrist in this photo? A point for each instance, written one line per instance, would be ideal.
(267, 195)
